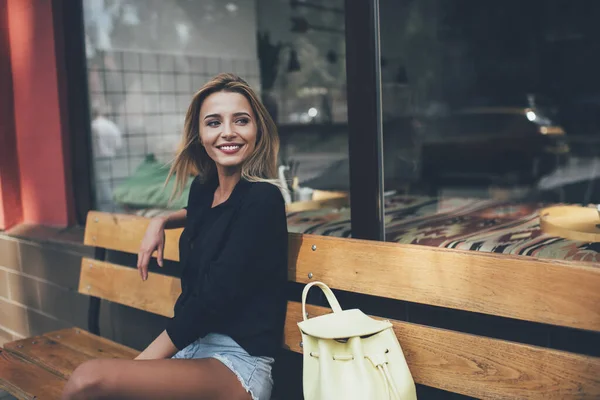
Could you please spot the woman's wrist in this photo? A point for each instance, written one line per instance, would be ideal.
(161, 221)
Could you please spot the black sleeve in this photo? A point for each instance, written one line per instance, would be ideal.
(253, 231)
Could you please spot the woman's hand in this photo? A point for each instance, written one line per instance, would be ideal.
(154, 239)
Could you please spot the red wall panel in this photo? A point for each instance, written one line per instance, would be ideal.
(11, 212)
(41, 136)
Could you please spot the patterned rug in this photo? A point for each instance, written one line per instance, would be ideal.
(455, 223)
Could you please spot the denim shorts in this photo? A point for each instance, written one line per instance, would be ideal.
(254, 373)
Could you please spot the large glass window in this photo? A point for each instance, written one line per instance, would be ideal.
(490, 116)
(146, 59)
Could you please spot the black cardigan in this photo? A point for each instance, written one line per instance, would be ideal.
(235, 268)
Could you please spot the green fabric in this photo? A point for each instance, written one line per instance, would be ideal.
(145, 188)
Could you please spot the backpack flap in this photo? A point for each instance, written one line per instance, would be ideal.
(342, 325)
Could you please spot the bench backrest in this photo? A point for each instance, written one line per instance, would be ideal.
(522, 288)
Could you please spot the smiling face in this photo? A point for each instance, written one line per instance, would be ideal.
(228, 129)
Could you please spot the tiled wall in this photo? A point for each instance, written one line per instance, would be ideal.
(146, 95)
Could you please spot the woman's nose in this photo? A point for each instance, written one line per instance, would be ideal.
(227, 130)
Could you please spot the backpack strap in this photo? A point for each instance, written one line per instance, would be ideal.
(331, 299)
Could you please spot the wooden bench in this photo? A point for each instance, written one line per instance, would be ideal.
(520, 288)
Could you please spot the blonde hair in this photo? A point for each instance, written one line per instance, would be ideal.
(192, 158)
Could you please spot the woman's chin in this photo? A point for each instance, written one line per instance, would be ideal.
(230, 163)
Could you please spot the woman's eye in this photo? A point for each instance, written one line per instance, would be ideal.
(213, 124)
(242, 121)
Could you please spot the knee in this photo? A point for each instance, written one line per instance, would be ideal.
(86, 382)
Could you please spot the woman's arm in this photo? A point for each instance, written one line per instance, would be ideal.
(174, 220)
(154, 239)
(161, 347)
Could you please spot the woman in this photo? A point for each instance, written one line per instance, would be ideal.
(229, 318)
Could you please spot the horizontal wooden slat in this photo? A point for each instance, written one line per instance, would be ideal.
(480, 367)
(526, 288)
(27, 381)
(123, 285)
(48, 354)
(125, 233)
(90, 344)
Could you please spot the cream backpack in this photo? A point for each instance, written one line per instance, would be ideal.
(351, 356)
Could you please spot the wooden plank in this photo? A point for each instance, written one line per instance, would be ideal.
(125, 233)
(27, 381)
(525, 288)
(48, 354)
(478, 366)
(123, 285)
(90, 344)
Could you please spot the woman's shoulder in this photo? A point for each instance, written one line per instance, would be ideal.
(264, 192)
(202, 185)
(199, 190)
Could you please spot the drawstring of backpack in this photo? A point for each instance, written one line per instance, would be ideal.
(380, 362)
(389, 382)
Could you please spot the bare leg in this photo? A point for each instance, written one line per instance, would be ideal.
(200, 379)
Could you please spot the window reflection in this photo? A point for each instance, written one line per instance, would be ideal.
(147, 58)
(489, 117)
